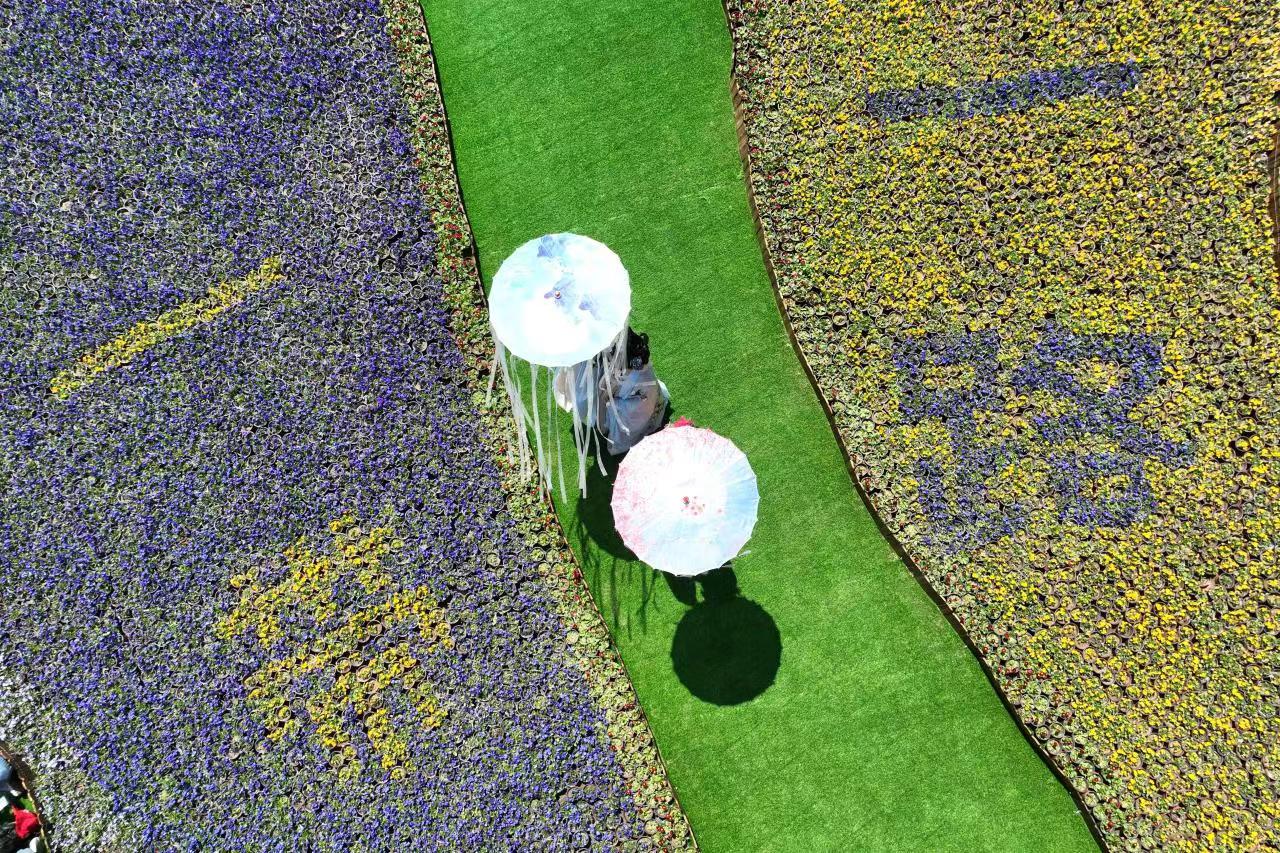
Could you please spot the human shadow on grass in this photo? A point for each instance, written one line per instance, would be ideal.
(727, 649)
(614, 561)
(608, 565)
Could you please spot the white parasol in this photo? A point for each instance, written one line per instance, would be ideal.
(685, 500)
(559, 302)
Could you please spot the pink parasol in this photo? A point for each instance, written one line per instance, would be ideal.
(685, 500)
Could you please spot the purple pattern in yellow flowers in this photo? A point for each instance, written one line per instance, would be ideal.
(1093, 442)
(992, 97)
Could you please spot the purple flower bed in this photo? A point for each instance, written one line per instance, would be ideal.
(420, 692)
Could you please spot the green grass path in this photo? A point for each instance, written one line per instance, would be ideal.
(880, 732)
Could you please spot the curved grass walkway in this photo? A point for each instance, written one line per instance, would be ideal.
(879, 730)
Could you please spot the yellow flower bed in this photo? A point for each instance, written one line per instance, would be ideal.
(1028, 253)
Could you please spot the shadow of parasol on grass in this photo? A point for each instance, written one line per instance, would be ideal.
(727, 649)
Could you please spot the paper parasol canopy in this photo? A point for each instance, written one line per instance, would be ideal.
(560, 303)
(559, 300)
(685, 500)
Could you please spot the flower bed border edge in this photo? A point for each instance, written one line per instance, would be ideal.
(627, 731)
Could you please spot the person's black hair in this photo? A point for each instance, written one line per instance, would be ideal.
(637, 349)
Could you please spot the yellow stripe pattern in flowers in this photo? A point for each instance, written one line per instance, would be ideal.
(146, 334)
(362, 670)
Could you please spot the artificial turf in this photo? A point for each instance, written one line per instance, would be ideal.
(812, 697)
